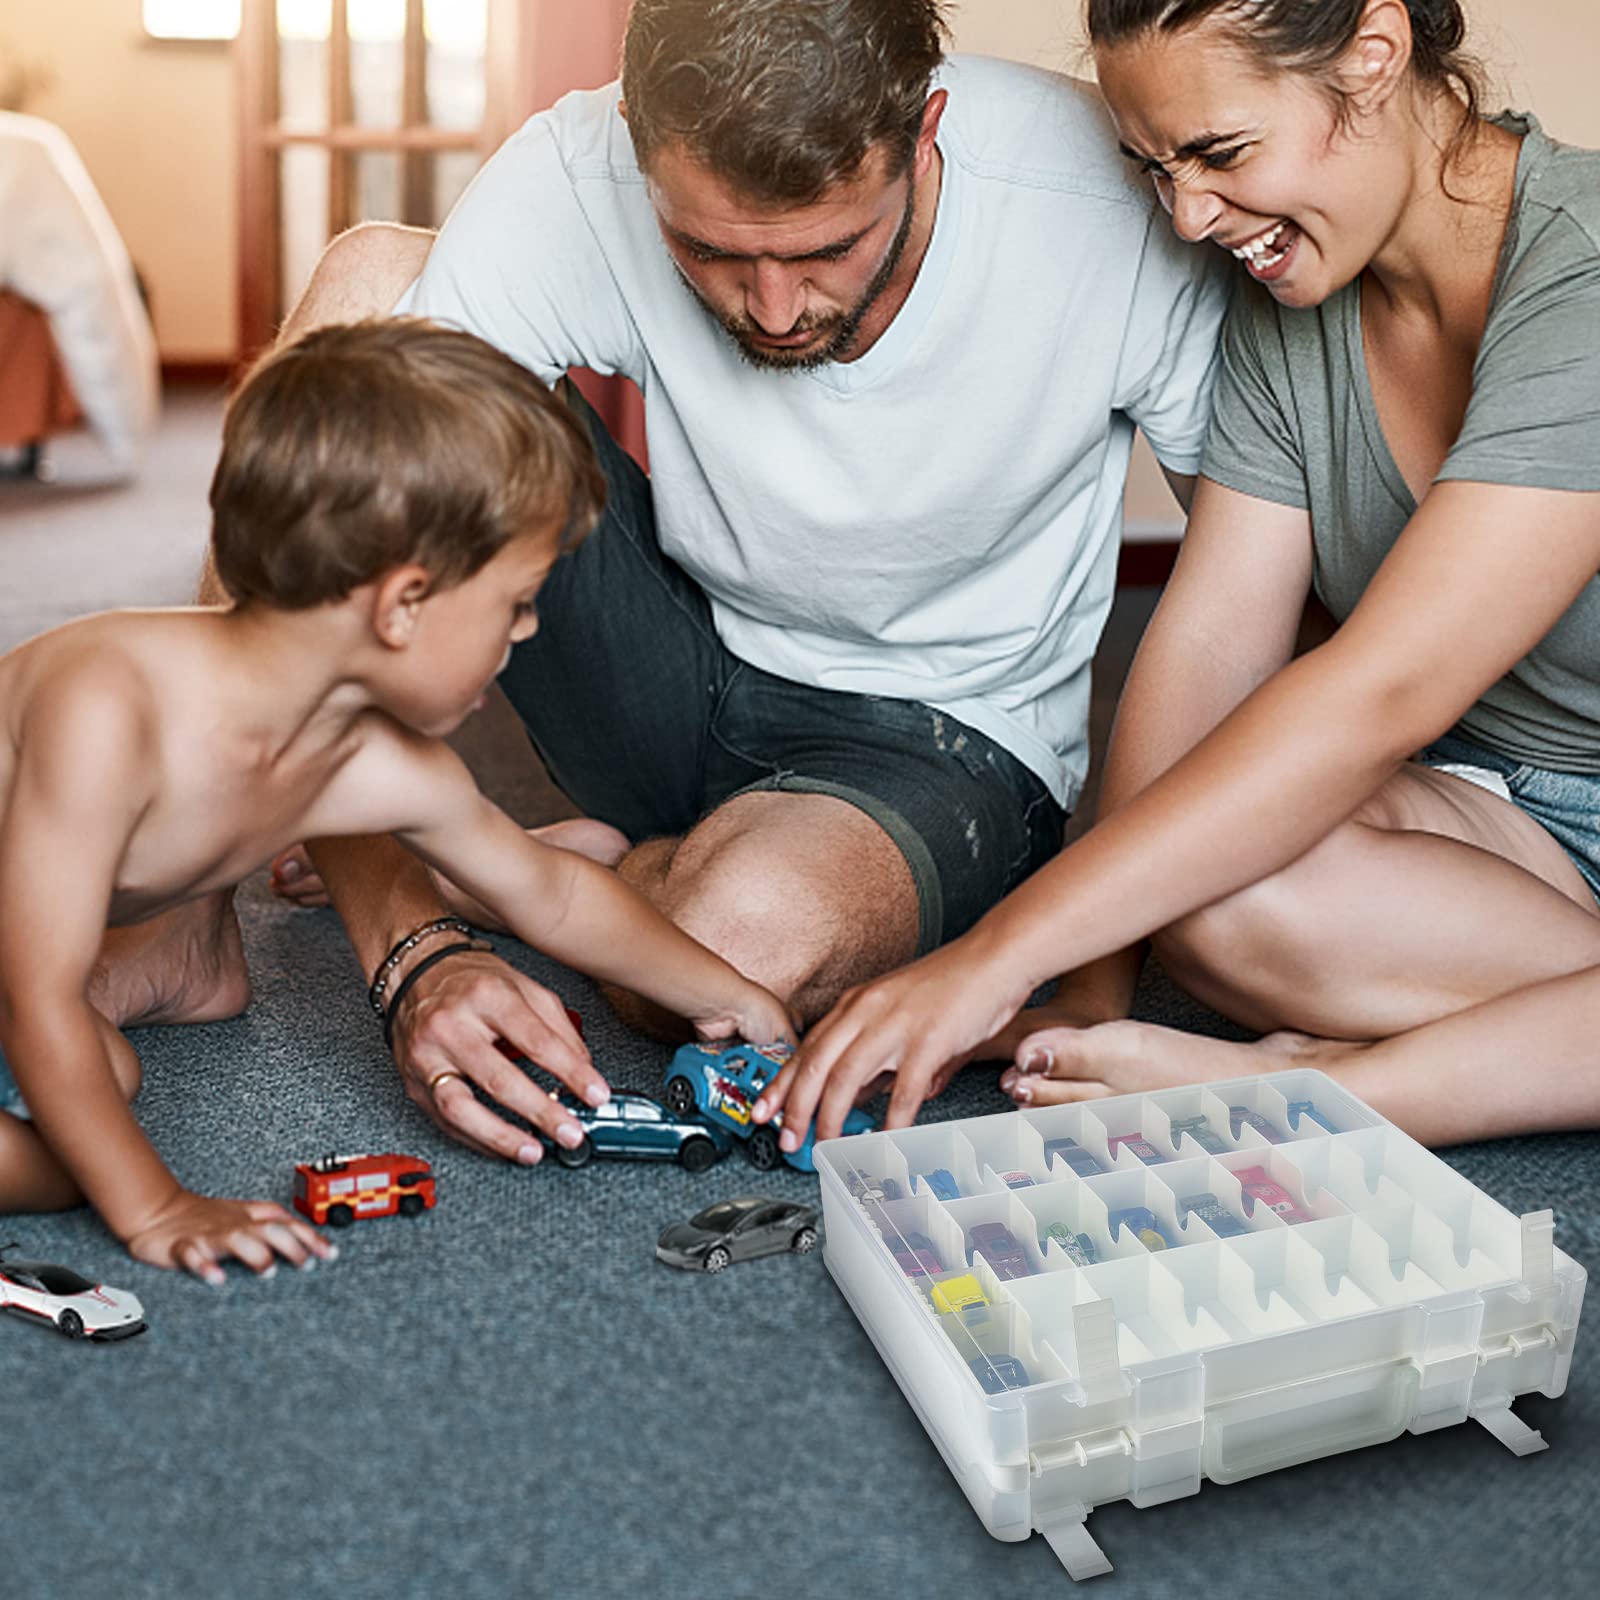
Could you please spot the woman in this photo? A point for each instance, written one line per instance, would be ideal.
(1409, 422)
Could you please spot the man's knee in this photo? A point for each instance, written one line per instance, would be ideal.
(800, 921)
(362, 273)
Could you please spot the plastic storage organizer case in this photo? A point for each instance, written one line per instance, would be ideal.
(1117, 1299)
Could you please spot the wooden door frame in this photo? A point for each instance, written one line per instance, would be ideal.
(262, 140)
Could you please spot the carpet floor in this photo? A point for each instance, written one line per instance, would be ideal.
(510, 1397)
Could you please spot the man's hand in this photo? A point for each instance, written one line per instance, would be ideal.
(447, 1038)
(198, 1234)
(919, 1024)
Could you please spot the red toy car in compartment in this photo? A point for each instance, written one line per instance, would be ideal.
(335, 1190)
(1258, 1188)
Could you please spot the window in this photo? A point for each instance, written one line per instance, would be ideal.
(191, 19)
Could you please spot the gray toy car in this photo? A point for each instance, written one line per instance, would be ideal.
(738, 1230)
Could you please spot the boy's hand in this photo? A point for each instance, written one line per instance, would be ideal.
(447, 1037)
(758, 1018)
(919, 1024)
(197, 1235)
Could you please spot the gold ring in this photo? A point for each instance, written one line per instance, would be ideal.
(439, 1077)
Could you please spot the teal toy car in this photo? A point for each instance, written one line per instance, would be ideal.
(723, 1082)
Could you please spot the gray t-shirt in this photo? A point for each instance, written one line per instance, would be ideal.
(1295, 423)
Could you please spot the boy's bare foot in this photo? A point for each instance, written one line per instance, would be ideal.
(1066, 1064)
(294, 878)
(185, 966)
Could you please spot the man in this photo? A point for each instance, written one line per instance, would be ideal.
(820, 684)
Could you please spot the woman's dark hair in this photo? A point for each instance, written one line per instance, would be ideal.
(781, 98)
(1308, 36)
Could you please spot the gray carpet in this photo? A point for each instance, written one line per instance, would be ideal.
(510, 1397)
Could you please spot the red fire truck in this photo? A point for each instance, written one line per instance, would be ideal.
(335, 1190)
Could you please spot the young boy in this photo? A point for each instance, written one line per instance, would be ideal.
(389, 498)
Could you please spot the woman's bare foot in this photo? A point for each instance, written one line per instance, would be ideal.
(185, 966)
(1066, 1064)
(294, 878)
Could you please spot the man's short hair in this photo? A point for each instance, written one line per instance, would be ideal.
(782, 99)
(369, 445)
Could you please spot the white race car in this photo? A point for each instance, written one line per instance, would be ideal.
(80, 1309)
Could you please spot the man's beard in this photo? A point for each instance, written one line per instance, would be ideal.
(841, 326)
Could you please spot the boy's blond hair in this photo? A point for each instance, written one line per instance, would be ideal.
(369, 445)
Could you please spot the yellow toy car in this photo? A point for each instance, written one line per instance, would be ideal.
(962, 1294)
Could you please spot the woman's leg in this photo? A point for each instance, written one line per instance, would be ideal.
(1525, 1062)
(1441, 903)
(1437, 895)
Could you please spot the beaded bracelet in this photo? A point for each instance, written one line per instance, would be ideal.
(432, 959)
(380, 981)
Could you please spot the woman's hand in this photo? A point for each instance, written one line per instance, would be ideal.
(197, 1235)
(448, 1036)
(919, 1024)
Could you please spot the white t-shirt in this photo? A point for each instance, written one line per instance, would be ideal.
(938, 520)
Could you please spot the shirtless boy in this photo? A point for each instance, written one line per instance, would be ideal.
(389, 499)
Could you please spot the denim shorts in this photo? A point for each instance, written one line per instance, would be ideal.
(1565, 804)
(10, 1094)
(647, 721)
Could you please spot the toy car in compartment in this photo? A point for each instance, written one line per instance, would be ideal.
(740, 1229)
(1212, 1212)
(1080, 1160)
(1000, 1372)
(964, 1294)
(1079, 1247)
(916, 1255)
(1138, 1144)
(635, 1127)
(871, 1191)
(1242, 1117)
(69, 1302)
(1141, 1222)
(1203, 1134)
(335, 1190)
(1258, 1187)
(1016, 1180)
(1305, 1108)
(723, 1083)
(997, 1244)
(941, 1183)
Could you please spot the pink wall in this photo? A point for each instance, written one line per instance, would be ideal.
(577, 44)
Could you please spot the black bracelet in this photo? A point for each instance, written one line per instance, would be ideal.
(432, 959)
(380, 979)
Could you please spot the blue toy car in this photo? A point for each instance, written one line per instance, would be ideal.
(942, 1184)
(631, 1126)
(1141, 1222)
(1075, 1156)
(723, 1081)
(1304, 1108)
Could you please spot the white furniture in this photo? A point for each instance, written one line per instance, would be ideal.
(60, 249)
